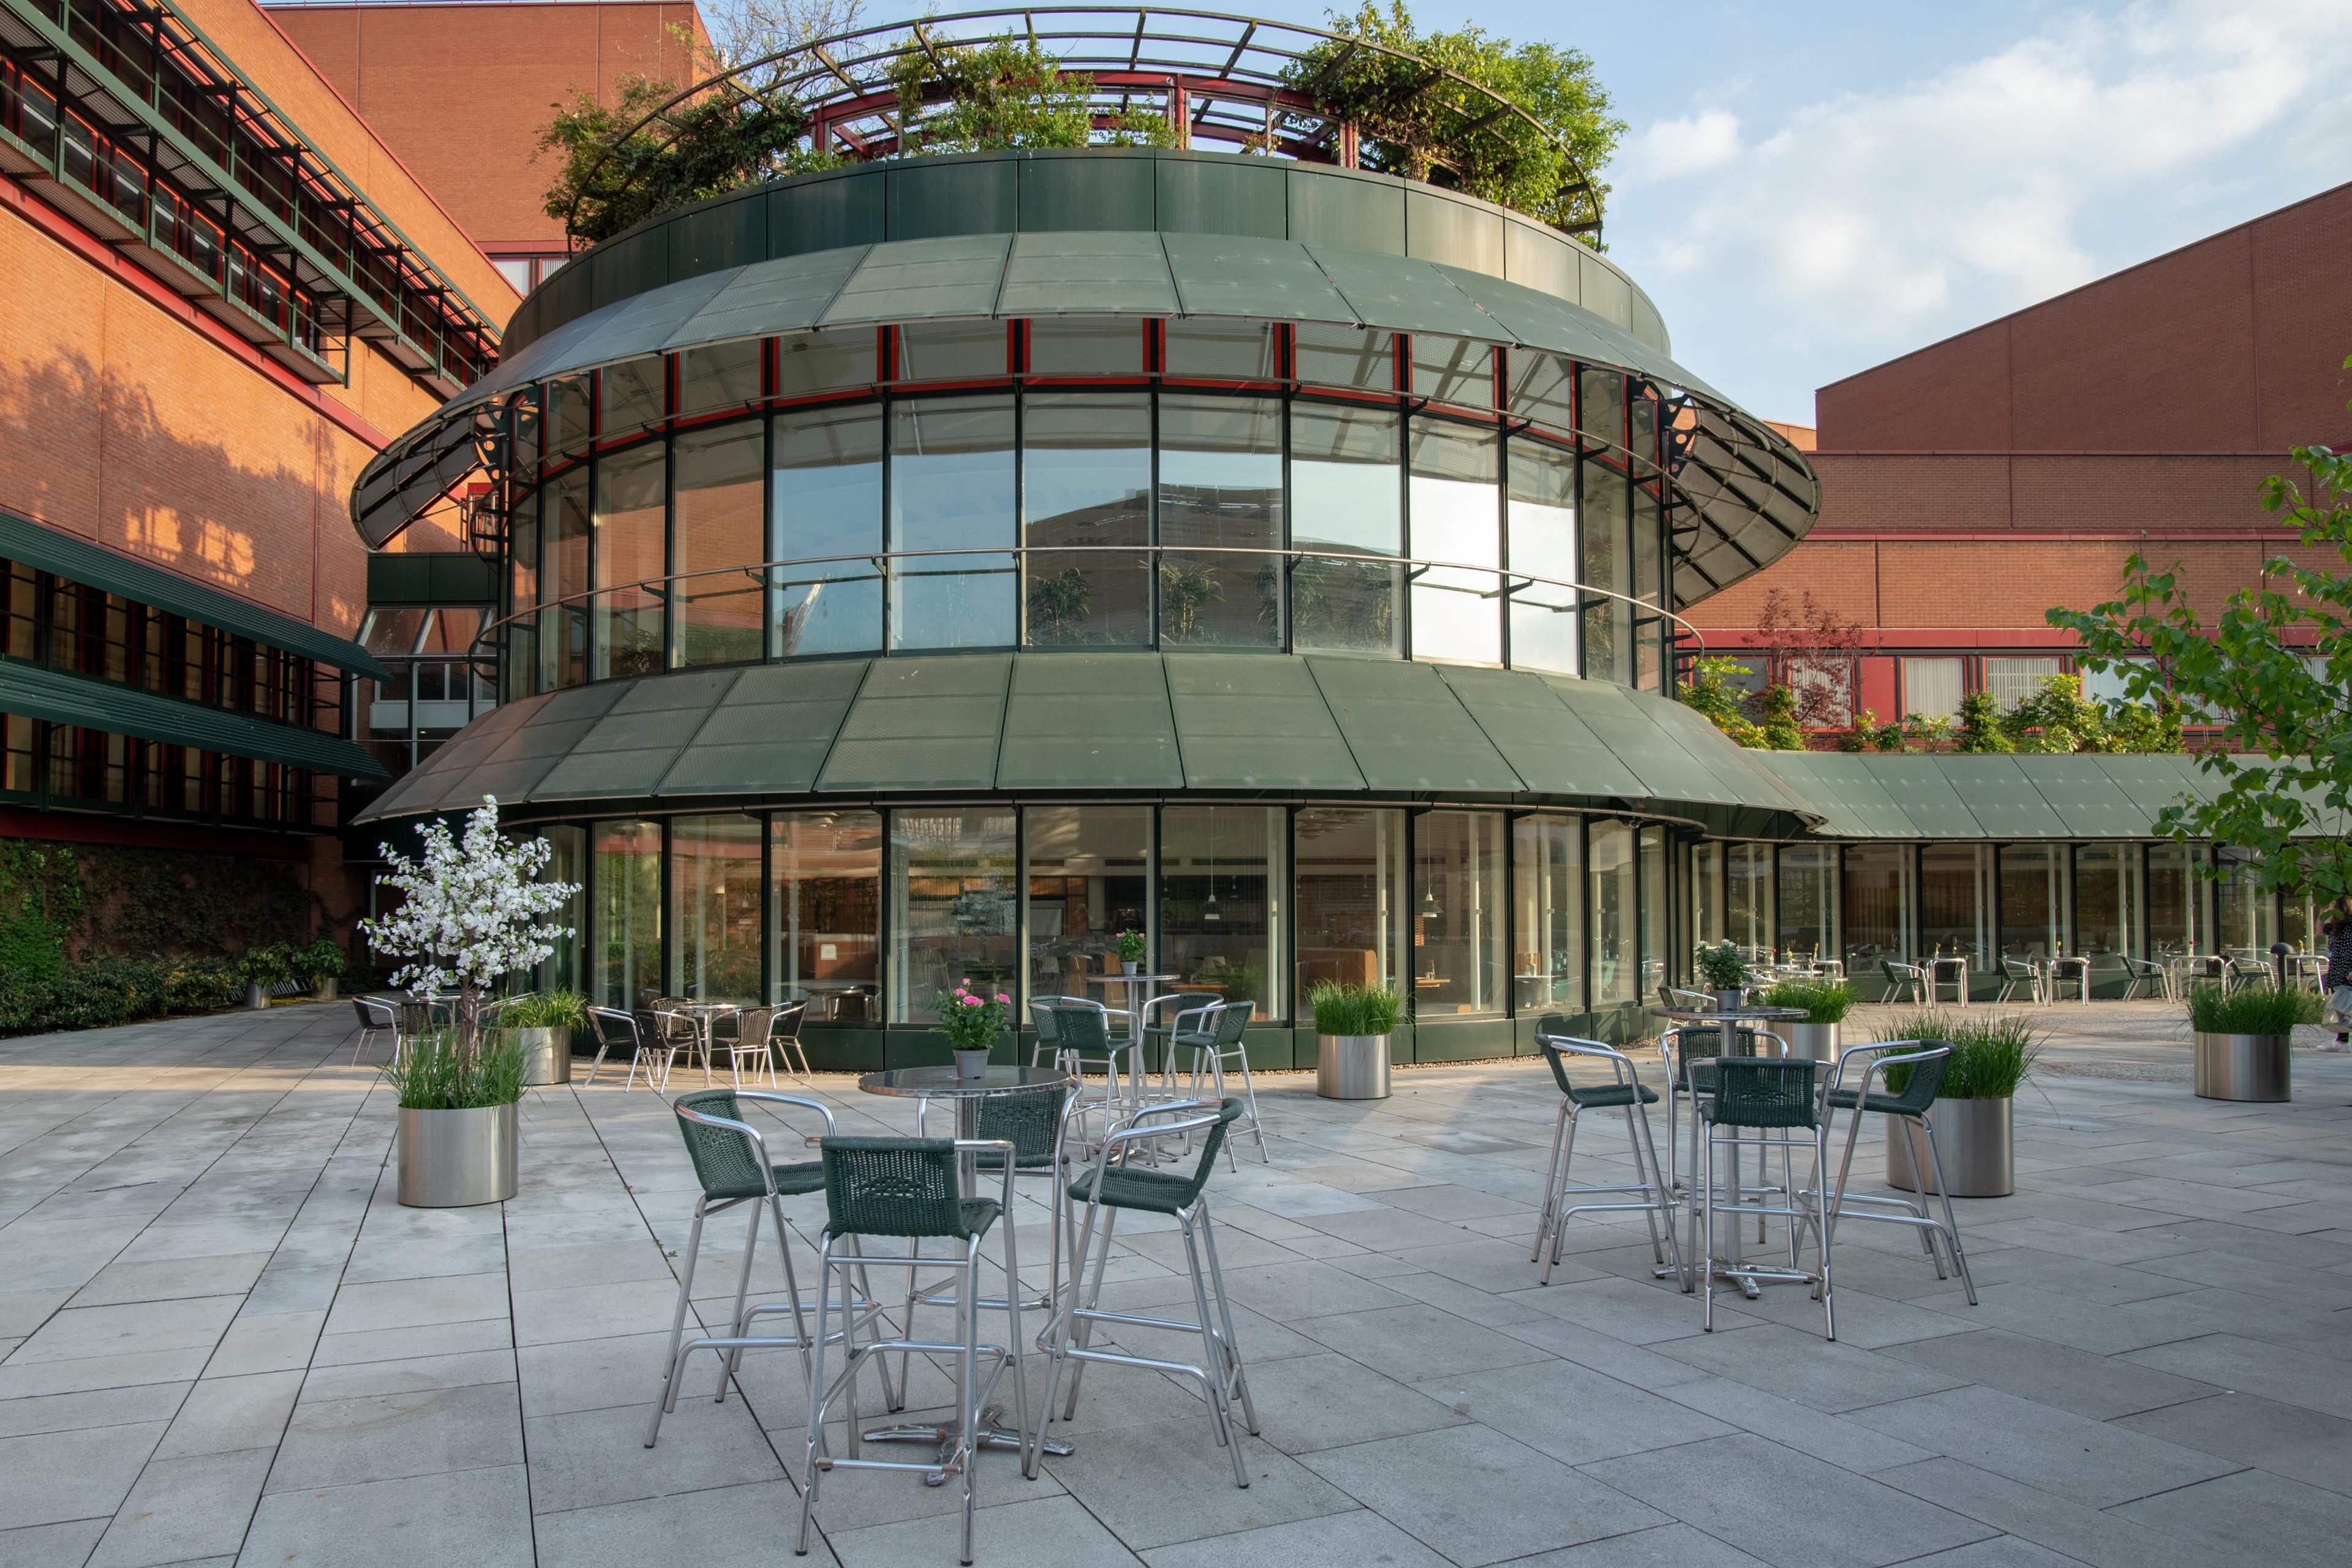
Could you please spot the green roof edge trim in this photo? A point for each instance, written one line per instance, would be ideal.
(37, 692)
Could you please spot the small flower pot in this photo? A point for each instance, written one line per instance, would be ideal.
(456, 1159)
(971, 1064)
(1130, 966)
(1730, 1001)
(1352, 1067)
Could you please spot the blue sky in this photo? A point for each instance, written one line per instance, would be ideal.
(1808, 190)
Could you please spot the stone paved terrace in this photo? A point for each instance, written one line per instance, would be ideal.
(226, 1341)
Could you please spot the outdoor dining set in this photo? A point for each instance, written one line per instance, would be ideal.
(2045, 980)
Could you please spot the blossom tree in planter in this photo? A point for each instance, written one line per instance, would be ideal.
(471, 913)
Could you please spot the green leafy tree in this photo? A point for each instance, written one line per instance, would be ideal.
(2271, 671)
(613, 178)
(1980, 728)
(1776, 712)
(1058, 606)
(1008, 92)
(1711, 690)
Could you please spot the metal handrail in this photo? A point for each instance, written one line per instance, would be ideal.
(758, 574)
(822, 59)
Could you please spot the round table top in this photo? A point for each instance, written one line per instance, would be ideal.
(1125, 979)
(1739, 1016)
(945, 1082)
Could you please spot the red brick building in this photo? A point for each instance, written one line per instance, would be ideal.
(1971, 485)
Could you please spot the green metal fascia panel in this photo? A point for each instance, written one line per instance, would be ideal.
(1741, 772)
(641, 322)
(2088, 798)
(1074, 190)
(35, 691)
(1202, 196)
(1546, 321)
(2002, 796)
(771, 731)
(1844, 790)
(1086, 274)
(783, 296)
(630, 265)
(825, 213)
(1918, 786)
(1255, 721)
(731, 232)
(1552, 751)
(1404, 294)
(524, 756)
(96, 566)
(921, 724)
(1089, 721)
(1333, 208)
(1668, 769)
(1232, 275)
(957, 277)
(1439, 228)
(1408, 730)
(929, 198)
(628, 751)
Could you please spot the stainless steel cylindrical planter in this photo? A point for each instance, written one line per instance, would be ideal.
(2244, 1066)
(546, 1054)
(1810, 1042)
(455, 1159)
(1352, 1067)
(256, 997)
(1976, 1141)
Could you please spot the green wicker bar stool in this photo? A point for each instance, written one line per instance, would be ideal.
(1216, 1043)
(1908, 1075)
(1182, 1021)
(907, 1188)
(1082, 1038)
(1764, 1096)
(1688, 1052)
(1624, 1091)
(730, 1160)
(1113, 1187)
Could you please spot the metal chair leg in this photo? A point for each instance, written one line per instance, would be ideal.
(668, 1400)
(1951, 1221)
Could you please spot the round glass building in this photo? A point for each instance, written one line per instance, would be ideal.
(926, 569)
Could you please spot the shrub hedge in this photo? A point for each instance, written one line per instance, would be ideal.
(103, 991)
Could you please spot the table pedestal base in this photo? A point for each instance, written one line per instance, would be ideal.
(992, 1434)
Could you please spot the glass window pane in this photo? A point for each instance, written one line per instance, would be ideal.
(1456, 509)
(1604, 420)
(1879, 903)
(1642, 426)
(1707, 892)
(2033, 900)
(1220, 485)
(831, 361)
(563, 629)
(1221, 868)
(2107, 908)
(1956, 906)
(1548, 888)
(826, 868)
(1347, 493)
(569, 417)
(954, 907)
(1615, 973)
(1457, 913)
(522, 413)
(1086, 479)
(1086, 345)
(721, 376)
(1608, 623)
(1543, 388)
(2175, 900)
(628, 912)
(1807, 900)
(951, 487)
(714, 868)
(629, 550)
(828, 503)
(1088, 879)
(633, 395)
(1452, 370)
(393, 632)
(559, 971)
(2013, 680)
(1346, 356)
(1932, 687)
(1221, 351)
(1543, 544)
(1655, 910)
(952, 351)
(1649, 630)
(1351, 897)
(1748, 897)
(720, 525)
(2244, 926)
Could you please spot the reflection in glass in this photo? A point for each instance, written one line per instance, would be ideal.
(1457, 913)
(520, 654)
(1086, 479)
(2033, 900)
(1807, 898)
(1223, 351)
(1707, 892)
(714, 868)
(563, 627)
(1086, 345)
(1452, 370)
(951, 487)
(1602, 420)
(629, 549)
(828, 503)
(1088, 879)
(1346, 494)
(2244, 921)
(1350, 873)
(1649, 630)
(1220, 485)
(626, 932)
(826, 871)
(1543, 543)
(2107, 910)
(1456, 516)
(954, 907)
(1879, 900)
(1548, 885)
(1345, 356)
(718, 525)
(718, 375)
(1956, 904)
(2175, 900)
(952, 351)
(1608, 623)
(1543, 389)
(633, 396)
(1615, 973)
(1221, 872)
(570, 419)
(1747, 895)
(832, 361)
(559, 971)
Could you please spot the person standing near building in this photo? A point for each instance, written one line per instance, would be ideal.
(2338, 927)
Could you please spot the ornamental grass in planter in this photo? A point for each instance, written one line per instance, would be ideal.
(1974, 1114)
(2243, 1038)
(1826, 1003)
(459, 1132)
(1353, 1025)
(541, 1028)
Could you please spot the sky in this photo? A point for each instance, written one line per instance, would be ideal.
(1808, 190)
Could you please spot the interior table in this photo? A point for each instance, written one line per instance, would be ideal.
(1733, 1269)
(966, 1093)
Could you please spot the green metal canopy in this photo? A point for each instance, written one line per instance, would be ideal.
(98, 567)
(1123, 722)
(37, 692)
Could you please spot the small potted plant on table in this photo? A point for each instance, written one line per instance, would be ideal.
(1974, 1116)
(469, 915)
(1826, 1003)
(540, 1028)
(973, 1022)
(2242, 1038)
(1725, 968)
(1130, 946)
(1353, 1027)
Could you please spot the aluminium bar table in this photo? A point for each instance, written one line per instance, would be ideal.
(1733, 1269)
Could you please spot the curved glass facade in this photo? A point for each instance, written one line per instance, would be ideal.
(1111, 482)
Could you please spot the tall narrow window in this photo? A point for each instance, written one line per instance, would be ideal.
(563, 622)
(952, 489)
(1456, 515)
(629, 552)
(559, 971)
(1220, 882)
(828, 520)
(1806, 928)
(827, 869)
(719, 526)
(1220, 495)
(1548, 889)
(1615, 966)
(1607, 622)
(1880, 903)
(954, 908)
(1654, 910)
(1088, 879)
(626, 929)
(1346, 494)
(1351, 897)
(1086, 481)
(1543, 545)
(2243, 918)
(1457, 913)
(2033, 900)
(1956, 904)
(2108, 910)
(714, 871)
(2175, 899)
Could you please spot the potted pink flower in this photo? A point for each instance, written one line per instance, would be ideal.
(973, 1022)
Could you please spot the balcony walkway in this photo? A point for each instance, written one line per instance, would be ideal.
(225, 1341)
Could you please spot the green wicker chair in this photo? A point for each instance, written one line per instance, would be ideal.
(1625, 1091)
(1764, 1096)
(1918, 1065)
(1112, 1187)
(1182, 1021)
(1215, 1041)
(730, 1162)
(1083, 1038)
(908, 1188)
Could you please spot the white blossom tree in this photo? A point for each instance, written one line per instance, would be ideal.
(471, 912)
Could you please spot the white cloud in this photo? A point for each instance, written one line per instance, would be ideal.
(1876, 220)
